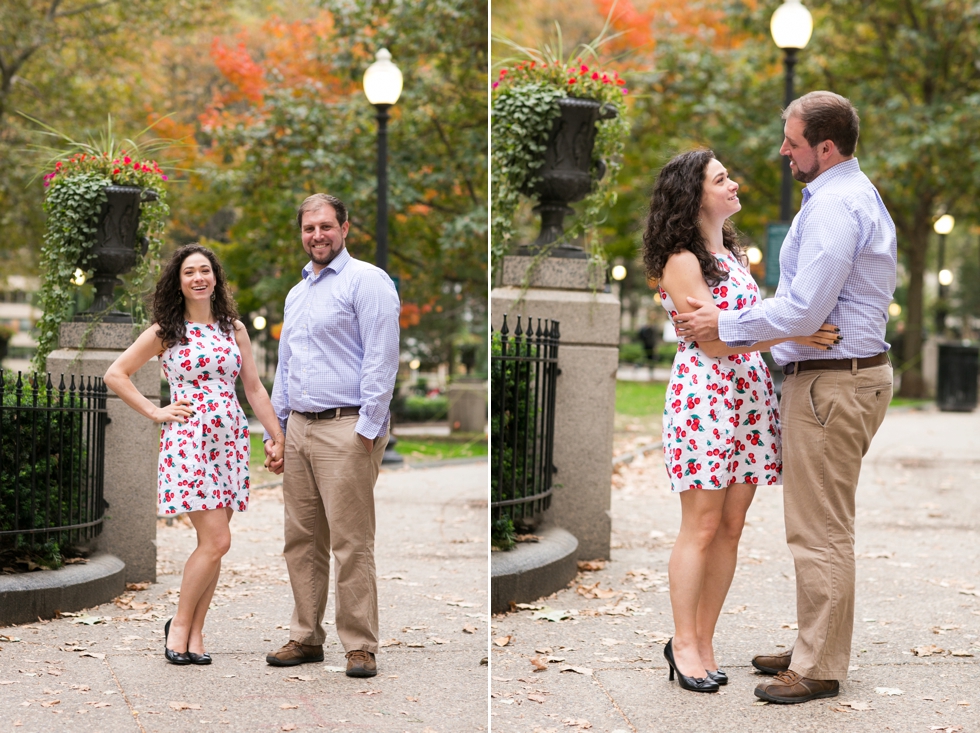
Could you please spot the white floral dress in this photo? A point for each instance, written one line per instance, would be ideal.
(204, 461)
(721, 419)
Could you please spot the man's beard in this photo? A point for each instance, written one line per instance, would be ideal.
(806, 176)
(324, 259)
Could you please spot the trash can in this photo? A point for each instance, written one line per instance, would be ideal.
(956, 383)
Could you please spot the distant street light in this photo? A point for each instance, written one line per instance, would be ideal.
(414, 364)
(791, 26)
(619, 273)
(258, 323)
(894, 310)
(755, 255)
(943, 226)
(382, 87)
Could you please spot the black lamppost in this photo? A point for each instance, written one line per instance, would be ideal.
(791, 26)
(943, 226)
(382, 87)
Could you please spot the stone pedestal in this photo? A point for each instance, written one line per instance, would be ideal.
(468, 405)
(570, 292)
(132, 444)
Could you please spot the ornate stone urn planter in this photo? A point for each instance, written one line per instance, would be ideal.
(114, 250)
(567, 174)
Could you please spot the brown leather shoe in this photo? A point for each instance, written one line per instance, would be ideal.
(361, 664)
(788, 687)
(295, 653)
(773, 663)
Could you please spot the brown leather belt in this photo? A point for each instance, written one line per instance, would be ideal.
(330, 414)
(836, 364)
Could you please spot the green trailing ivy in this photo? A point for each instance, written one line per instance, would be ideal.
(525, 107)
(75, 179)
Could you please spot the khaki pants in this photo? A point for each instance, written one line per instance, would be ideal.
(828, 420)
(328, 492)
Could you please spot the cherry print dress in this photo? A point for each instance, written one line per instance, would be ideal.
(721, 419)
(204, 461)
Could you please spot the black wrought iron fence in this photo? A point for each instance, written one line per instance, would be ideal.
(52, 457)
(523, 370)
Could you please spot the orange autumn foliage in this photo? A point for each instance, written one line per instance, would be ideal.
(278, 54)
(643, 22)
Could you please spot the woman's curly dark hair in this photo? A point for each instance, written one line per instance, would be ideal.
(168, 300)
(672, 222)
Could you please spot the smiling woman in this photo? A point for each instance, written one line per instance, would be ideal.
(204, 443)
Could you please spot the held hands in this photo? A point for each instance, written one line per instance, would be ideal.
(179, 411)
(824, 339)
(274, 453)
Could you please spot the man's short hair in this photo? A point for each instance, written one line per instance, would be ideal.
(827, 116)
(318, 201)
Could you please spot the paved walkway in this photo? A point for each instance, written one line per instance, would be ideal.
(918, 515)
(104, 670)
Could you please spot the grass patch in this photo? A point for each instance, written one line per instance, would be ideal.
(435, 449)
(640, 399)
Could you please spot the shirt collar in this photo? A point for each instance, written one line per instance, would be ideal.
(844, 168)
(336, 265)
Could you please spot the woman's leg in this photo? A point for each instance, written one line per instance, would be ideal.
(723, 554)
(701, 513)
(200, 575)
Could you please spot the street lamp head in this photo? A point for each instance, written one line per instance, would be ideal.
(619, 273)
(754, 254)
(258, 323)
(791, 25)
(944, 224)
(945, 277)
(383, 80)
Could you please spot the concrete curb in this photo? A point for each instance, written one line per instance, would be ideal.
(25, 597)
(627, 458)
(532, 569)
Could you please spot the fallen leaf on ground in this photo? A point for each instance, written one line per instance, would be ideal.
(736, 609)
(96, 704)
(856, 705)
(94, 655)
(437, 640)
(288, 726)
(889, 691)
(301, 677)
(522, 606)
(792, 626)
(368, 692)
(927, 650)
(539, 666)
(182, 706)
(550, 614)
(137, 586)
(411, 699)
(287, 706)
(582, 723)
(49, 703)
(576, 670)
(961, 653)
(80, 688)
(590, 565)
(965, 703)
(610, 642)
(389, 642)
(469, 629)
(502, 640)
(536, 698)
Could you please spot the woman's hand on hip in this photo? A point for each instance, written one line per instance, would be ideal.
(825, 338)
(179, 411)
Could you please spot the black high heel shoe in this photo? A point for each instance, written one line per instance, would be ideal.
(172, 656)
(206, 659)
(694, 684)
(718, 676)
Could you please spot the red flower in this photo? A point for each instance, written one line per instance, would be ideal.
(115, 171)
(595, 74)
(572, 80)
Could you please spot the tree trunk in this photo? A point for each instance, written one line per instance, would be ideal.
(913, 385)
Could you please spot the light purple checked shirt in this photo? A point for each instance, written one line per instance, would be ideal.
(339, 344)
(837, 265)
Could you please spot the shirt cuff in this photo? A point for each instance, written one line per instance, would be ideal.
(729, 331)
(370, 428)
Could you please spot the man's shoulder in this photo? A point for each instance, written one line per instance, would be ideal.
(359, 271)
